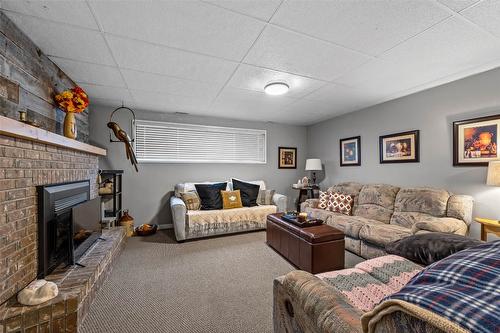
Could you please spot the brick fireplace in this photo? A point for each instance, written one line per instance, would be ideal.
(25, 164)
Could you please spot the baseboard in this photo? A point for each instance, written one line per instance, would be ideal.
(165, 226)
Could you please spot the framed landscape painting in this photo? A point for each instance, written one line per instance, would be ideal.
(350, 151)
(287, 158)
(399, 147)
(475, 141)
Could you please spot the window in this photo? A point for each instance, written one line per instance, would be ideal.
(172, 142)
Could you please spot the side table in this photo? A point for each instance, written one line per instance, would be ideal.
(306, 192)
(488, 226)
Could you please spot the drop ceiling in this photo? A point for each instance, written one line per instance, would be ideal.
(213, 58)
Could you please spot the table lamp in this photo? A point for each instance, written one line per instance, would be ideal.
(313, 164)
(493, 178)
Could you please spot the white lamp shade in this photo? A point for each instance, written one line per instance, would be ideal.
(493, 177)
(313, 164)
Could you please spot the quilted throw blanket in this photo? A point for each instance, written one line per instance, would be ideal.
(460, 293)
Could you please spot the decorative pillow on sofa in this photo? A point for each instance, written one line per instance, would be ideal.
(265, 197)
(341, 203)
(192, 200)
(428, 248)
(210, 195)
(324, 199)
(231, 199)
(249, 192)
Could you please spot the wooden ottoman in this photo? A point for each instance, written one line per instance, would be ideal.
(314, 249)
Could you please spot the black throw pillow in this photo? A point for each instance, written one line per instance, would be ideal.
(249, 192)
(210, 195)
(425, 249)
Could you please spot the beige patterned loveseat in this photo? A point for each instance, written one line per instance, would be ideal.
(189, 224)
(384, 213)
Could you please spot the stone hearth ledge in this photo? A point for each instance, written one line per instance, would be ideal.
(17, 129)
(77, 289)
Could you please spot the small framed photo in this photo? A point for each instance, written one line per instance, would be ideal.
(350, 151)
(399, 147)
(475, 141)
(287, 158)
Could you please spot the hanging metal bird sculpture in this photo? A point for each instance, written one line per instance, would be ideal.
(123, 137)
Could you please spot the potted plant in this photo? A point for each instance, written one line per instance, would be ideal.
(72, 101)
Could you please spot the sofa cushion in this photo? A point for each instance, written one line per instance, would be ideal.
(350, 225)
(341, 203)
(377, 202)
(265, 197)
(324, 199)
(210, 195)
(189, 187)
(231, 199)
(249, 192)
(428, 248)
(191, 200)
(460, 207)
(382, 234)
(411, 203)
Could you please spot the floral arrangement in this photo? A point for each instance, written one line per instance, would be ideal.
(73, 100)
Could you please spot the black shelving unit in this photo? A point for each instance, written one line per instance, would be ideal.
(115, 176)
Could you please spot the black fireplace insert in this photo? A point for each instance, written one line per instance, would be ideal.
(68, 224)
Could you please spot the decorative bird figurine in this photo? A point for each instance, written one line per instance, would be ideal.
(123, 137)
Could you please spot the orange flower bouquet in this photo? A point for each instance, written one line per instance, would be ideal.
(72, 101)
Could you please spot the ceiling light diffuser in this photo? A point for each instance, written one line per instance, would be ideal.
(276, 88)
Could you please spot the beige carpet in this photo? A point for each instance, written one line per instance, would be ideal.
(221, 284)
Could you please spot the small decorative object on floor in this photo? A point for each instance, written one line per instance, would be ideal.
(37, 292)
(146, 229)
(72, 101)
(128, 222)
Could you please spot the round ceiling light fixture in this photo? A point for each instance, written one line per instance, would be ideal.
(276, 88)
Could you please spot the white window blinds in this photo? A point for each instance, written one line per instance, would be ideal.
(173, 142)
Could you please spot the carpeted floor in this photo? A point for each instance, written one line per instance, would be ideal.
(221, 284)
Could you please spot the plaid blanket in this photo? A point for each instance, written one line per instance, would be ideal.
(464, 288)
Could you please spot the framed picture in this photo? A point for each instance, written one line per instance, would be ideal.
(350, 151)
(287, 158)
(475, 141)
(399, 147)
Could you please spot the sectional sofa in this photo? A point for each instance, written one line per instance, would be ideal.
(384, 213)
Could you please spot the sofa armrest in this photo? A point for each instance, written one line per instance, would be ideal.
(178, 208)
(304, 303)
(441, 224)
(280, 201)
(309, 203)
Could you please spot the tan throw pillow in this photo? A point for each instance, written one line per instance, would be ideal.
(231, 199)
(265, 197)
(324, 199)
(341, 203)
(192, 200)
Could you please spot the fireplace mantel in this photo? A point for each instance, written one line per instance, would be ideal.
(14, 128)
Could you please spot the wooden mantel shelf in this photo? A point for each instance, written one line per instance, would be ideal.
(12, 127)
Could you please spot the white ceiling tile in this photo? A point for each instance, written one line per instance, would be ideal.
(261, 9)
(90, 73)
(486, 14)
(170, 85)
(458, 5)
(106, 93)
(172, 103)
(167, 61)
(256, 78)
(64, 41)
(75, 12)
(189, 25)
(343, 98)
(368, 26)
(290, 52)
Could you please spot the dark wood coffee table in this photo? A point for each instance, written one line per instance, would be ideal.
(314, 249)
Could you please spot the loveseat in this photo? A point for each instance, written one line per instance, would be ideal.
(384, 213)
(189, 224)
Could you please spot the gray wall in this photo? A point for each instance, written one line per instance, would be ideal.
(147, 192)
(432, 112)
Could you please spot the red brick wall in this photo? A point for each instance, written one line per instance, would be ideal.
(23, 166)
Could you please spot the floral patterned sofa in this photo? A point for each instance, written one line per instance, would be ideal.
(384, 213)
(189, 224)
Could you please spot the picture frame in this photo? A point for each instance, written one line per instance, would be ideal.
(403, 147)
(287, 158)
(475, 141)
(350, 151)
